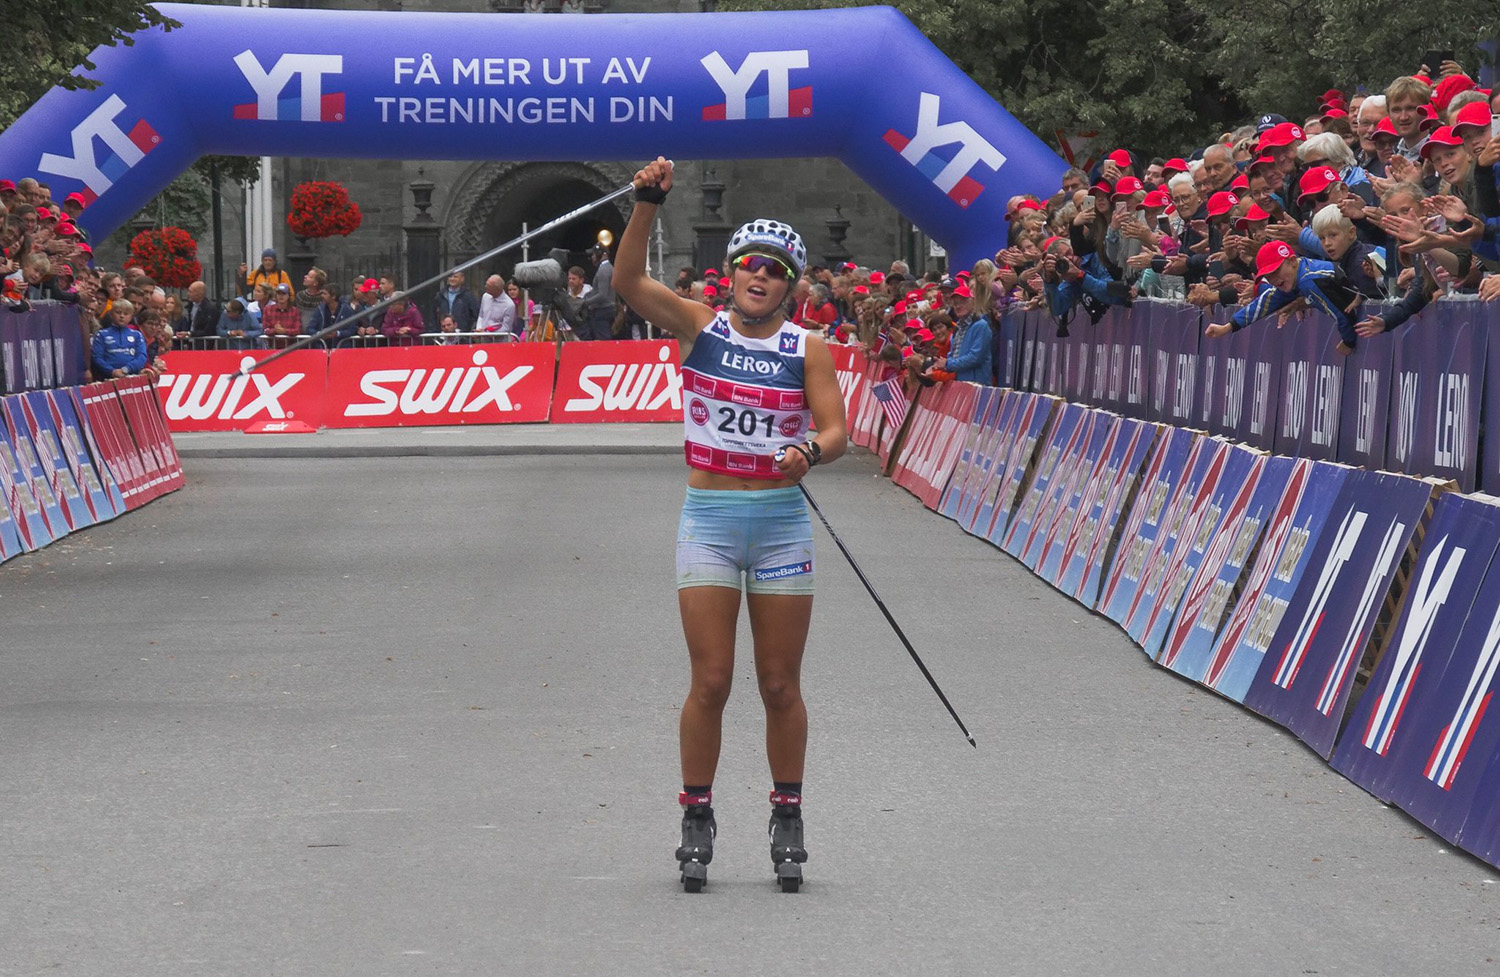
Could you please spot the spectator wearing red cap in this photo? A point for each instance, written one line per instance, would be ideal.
(1451, 162)
(1330, 150)
(1319, 284)
(972, 356)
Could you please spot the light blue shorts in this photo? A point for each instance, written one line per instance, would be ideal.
(761, 540)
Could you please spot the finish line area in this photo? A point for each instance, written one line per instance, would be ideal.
(412, 715)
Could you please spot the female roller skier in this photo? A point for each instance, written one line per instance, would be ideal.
(754, 384)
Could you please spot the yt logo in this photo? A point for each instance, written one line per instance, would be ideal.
(952, 175)
(308, 105)
(781, 101)
(125, 149)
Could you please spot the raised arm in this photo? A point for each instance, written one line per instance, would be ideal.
(663, 307)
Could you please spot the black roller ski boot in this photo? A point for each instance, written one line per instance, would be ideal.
(697, 848)
(787, 851)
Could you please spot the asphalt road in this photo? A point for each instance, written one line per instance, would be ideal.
(418, 716)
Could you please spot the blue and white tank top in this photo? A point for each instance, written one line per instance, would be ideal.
(743, 399)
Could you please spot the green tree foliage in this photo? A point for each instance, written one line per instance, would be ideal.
(1165, 76)
(50, 42)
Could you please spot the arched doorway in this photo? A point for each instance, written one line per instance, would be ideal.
(496, 199)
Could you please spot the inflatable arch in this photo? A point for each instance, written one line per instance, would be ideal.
(344, 83)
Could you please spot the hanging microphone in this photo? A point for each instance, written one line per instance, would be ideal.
(548, 272)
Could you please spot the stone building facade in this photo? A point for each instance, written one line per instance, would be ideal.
(478, 205)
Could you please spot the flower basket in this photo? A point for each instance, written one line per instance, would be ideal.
(168, 254)
(322, 209)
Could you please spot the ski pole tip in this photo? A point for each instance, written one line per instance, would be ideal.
(972, 743)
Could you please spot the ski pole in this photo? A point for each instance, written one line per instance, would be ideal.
(889, 619)
(306, 341)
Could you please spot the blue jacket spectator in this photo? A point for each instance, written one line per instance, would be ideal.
(118, 349)
(1321, 284)
(974, 359)
(238, 327)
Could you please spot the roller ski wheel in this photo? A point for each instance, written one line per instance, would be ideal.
(787, 850)
(697, 848)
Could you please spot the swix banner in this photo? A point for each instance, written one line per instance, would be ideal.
(434, 385)
(635, 381)
(203, 391)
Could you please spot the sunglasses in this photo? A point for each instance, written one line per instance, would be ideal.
(772, 266)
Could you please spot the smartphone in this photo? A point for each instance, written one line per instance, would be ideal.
(1434, 60)
(1088, 202)
(1495, 125)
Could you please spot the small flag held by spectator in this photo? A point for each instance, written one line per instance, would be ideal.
(892, 400)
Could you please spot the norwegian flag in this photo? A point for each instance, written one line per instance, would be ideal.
(892, 400)
(880, 343)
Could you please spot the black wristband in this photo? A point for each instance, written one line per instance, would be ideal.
(804, 453)
(650, 195)
(817, 452)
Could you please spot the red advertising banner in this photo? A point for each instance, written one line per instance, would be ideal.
(849, 365)
(424, 386)
(202, 390)
(106, 421)
(635, 381)
(142, 413)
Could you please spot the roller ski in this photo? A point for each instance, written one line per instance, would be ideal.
(697, 848)
(787, 850)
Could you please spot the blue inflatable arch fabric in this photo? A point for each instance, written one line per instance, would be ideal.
(343, 83)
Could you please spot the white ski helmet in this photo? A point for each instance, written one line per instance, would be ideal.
(763, 234)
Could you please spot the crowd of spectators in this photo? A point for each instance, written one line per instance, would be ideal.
(1376, 197)
(1384, 197)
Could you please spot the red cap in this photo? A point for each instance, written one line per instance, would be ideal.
(1385, 127)
(1331, 94)
(1272, 255)
(1444, 136)
(711, 271)
(43, 214)
(899, 308)
(915, 295)
(1101, 189)
(1155, 199)
(849, 266)
(1260, 162)
(1423, 79)
(1335, 114)
(924, 335)
(710, 290)
(1430, 120)
(75, 198)
(1174, 165)
(877, 277)
(962, 276)
(1473, 114)
(1048, 242)
(1240, 183)
(1120, 158)
(1281, 134)
(7, 185)
(66, 229)
(84, 247)
(963, 292)
(1221, 203)
(1125, 187)
(1449, 87)
(62, 268)
(1315, 181)
(1027, 204)
(1332, 103)
(861, 290)
(1251, 216)
(370, 285)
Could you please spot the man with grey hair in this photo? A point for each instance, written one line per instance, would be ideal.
(497, 313)
(1218, 168)
(1371, 111)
